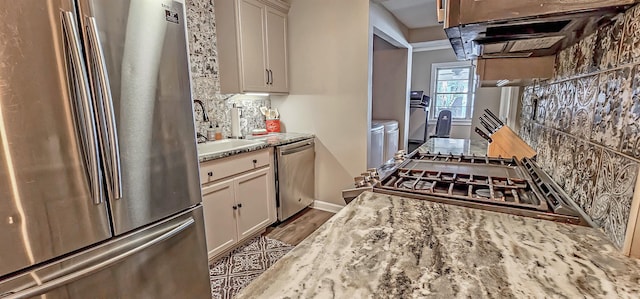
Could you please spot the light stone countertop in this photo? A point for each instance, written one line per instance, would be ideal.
(270, 140)
(382, 246)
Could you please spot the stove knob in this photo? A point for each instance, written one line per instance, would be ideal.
(366, 176)
(359, 181)
(373, 173)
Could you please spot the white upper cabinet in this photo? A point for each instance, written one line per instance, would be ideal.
(253, 51)
(277, 50)
(252, 45)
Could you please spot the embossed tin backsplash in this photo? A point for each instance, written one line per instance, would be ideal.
(201, 27)
(586, 128)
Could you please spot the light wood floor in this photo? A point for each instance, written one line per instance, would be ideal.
(298, 227)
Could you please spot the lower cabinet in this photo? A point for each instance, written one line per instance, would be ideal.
(218, 201)
(252, 200)
(238, 207)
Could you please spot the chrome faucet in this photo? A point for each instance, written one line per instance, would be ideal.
(205, 118)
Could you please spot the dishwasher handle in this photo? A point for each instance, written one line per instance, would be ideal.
(295, 147)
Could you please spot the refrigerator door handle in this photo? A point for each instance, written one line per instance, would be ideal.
(75, 275)
(289, 151)
(84, 112)
(106, 102)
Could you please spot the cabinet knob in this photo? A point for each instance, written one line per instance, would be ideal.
(255, 161)
(210, 173)
(239, 205)
(235, 207)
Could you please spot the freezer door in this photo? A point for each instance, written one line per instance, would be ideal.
(166, 260)
(140, 75)
(50, 180)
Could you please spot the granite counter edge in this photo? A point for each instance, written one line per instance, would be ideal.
(265, 144)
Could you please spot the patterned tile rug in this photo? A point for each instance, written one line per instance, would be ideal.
(233, 272)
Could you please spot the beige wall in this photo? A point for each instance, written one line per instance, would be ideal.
(384, 24)
(329, 88)
(389, 90)
(486, 97)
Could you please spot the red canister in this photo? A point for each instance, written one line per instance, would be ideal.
(273, 125)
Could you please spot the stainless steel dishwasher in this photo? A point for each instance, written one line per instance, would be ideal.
(295, 177)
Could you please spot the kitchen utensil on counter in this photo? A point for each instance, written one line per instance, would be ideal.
(235, 122)
(486, 125)
(273, 125)
(272, 113)
(492, 122)
(493, 126)
(507, 143)
(483, 134)
(496, 118)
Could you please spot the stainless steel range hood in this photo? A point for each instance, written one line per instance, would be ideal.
(513, 71)
(520, 29)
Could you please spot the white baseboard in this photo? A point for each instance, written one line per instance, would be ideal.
(326, 206)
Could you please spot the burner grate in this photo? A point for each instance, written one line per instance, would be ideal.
(453, 177)
(505, 185)
(473, 159)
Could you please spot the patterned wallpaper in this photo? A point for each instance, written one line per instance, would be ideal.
(201, 27)
(587, 122)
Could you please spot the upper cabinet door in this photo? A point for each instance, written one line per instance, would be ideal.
(50, 180)
(277, 50)
(252, 46)
(253, 55)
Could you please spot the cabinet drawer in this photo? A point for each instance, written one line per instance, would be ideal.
(218, 169)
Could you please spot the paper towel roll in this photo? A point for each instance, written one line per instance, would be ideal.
(235, 121)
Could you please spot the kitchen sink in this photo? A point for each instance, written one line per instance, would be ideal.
(214, 147)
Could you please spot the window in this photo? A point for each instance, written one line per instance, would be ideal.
(452, 89)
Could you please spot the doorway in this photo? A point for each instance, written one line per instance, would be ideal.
(389, 97)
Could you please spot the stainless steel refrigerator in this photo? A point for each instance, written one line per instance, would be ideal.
(99, 188)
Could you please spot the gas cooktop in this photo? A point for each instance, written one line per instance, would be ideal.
(498, 184)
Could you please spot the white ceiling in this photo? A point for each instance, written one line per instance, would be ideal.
(413, 13)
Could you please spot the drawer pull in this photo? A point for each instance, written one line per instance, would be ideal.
(235, 207)
(239, 205)
(255, 161)
(210, 173)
